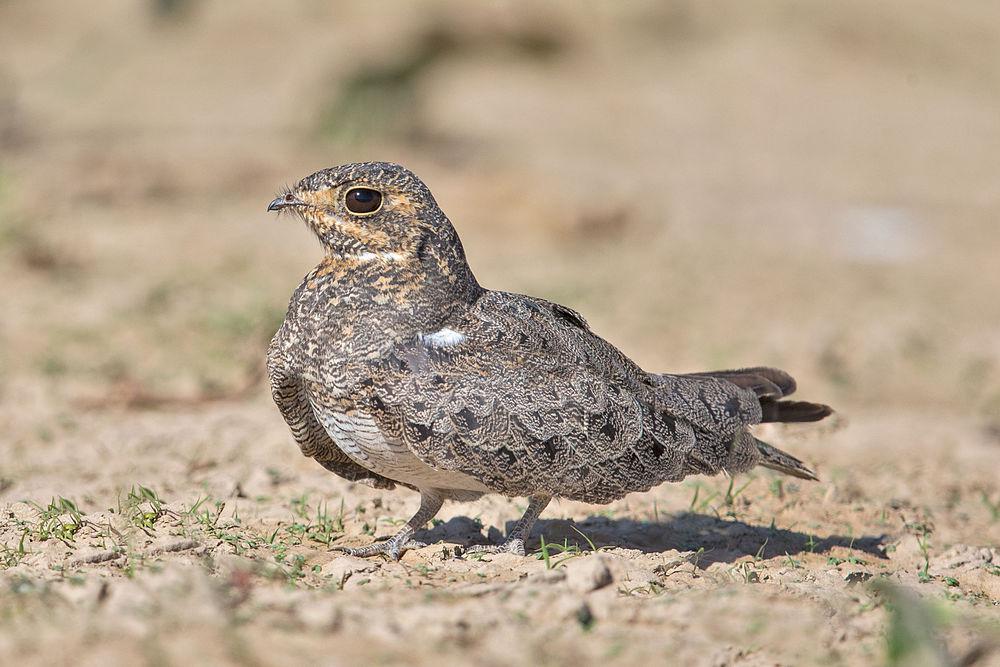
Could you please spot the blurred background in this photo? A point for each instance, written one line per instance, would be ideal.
(807, 185)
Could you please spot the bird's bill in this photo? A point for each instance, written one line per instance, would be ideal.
(284, 201)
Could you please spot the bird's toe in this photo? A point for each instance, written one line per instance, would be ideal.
(392, 549)
(512, 546)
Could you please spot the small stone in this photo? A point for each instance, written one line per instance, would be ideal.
(318, 614)
(227, 563)
(92, 557)
(584, 616)
(961, 558)
(342, 568)
(172, 545)
(546, 576)
(857, 577)
(983, 581)
(639, 577)
(587, 574)
(88, 592)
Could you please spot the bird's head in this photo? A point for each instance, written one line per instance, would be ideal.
(369, 209)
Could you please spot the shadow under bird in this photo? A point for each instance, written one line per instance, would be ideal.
(394, 366)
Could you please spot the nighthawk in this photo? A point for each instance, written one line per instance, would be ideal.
(394, 366)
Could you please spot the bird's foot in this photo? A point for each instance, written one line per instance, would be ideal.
(512, 545)
(391, 548)
(394, 547)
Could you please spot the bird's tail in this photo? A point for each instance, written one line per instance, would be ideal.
(775, 459)
(771, 385)
(787, 412)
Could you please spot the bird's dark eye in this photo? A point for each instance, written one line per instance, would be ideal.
(363, 200)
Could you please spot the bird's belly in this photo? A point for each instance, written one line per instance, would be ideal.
(360, 438)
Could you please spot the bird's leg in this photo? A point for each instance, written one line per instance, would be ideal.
(519, 533)
(430, 503)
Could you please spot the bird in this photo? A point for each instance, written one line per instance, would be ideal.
(394, 367)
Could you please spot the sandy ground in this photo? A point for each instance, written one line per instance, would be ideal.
(756, 182)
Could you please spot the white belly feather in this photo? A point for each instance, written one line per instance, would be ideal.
(359, 437)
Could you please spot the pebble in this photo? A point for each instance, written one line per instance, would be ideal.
(318, 614)
(587, 574)
(342, 568)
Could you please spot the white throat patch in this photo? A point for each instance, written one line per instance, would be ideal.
(444, 338)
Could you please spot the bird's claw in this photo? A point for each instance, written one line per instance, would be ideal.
(510, 545)
(391, 549)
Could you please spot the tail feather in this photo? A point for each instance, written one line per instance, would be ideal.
(762, 380)
(776, 459)
(793, 411)
(770, 385)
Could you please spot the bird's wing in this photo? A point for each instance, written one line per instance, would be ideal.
(713, 405)
(289, 394)
(521, 395)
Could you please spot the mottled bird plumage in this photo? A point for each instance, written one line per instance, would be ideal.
(394, 366)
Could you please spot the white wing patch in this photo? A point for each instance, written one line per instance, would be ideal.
(444, 338)
(384, 256)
